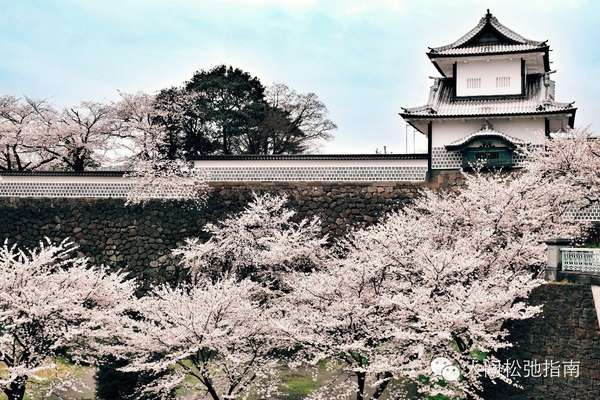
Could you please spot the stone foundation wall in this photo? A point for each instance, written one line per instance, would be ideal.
(140, 239)
(567, 330)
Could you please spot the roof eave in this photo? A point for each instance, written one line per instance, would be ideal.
(408, 121)
(466, 143)
(545, 49)
(304, 157)
(103, 174)
(408, 115)
(499, 115)
(435, 64)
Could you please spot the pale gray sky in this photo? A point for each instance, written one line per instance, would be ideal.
(365, 59)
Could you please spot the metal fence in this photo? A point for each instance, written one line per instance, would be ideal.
(580, 259)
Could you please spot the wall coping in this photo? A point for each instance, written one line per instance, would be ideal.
(244, 157)
(414, 156)
(106, 173)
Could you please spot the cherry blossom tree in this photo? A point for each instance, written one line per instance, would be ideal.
(81, 137)
(167, 180)
(573, 157)
(438, 279)
(264, 241)
(216, 333)
(210, 337)
(53, 303)
(153, 177)
(140, 127)
(21, 122)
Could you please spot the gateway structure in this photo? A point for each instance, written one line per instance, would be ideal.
(494, 95)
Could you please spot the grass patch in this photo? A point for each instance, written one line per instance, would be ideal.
(297, 386)
(563, 282)
(82, 378)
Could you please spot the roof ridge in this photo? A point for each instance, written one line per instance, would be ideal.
(517, 36)
(487, 19)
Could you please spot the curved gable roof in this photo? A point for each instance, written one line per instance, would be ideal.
(489, 31)
(486, 132)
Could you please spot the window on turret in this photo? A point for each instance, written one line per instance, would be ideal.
(473, 83)
(503, 82)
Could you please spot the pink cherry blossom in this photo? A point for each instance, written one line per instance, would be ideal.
(53, 302)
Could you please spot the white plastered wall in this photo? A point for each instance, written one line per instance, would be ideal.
(444, 132)
(377, 170)
(528, 129)
(485, 72)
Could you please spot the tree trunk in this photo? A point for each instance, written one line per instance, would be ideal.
(16, 390)
(17, 158)
(361, 378)
(8, 159)
(382, 386)
(79, 164)
(213, 393)
(225, 142)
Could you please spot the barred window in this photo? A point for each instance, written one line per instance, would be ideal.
(503, 81)
(473, 83)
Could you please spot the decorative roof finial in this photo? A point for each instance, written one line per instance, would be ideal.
(488, 14)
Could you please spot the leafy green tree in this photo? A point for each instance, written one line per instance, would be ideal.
(211, 113)
(229, 104)
(228, 111)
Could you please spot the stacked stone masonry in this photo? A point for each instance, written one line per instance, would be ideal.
(567, 330)
(140, 238)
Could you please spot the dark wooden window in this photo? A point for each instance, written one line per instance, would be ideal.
(494, 157)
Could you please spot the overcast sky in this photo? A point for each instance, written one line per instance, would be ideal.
(365, 59)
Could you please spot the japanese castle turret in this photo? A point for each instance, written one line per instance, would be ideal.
(494, 95)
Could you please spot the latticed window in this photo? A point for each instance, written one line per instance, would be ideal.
(473, 83)
(503, 81)
(487, 155)
(580, 260)
(494, 157)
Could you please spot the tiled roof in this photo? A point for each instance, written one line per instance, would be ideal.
(488, 49)
(468, 43)
(312, 157)
(250, 157)
(96, 173)
(487, 132)
(539, 99)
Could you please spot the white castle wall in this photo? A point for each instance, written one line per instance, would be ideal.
(484, 73)
(528, 129)
(445, 132)
(315, 170)
(64, 186)
(381, 170)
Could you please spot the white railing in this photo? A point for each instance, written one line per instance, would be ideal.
(580, 259)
